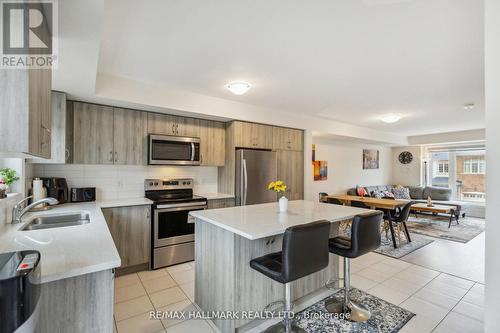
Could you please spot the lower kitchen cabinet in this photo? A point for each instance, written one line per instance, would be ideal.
(220, 203)
(130, 228)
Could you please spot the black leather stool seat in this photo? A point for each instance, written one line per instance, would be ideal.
(269, 265)
(304, 251)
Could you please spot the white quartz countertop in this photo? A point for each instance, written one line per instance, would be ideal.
(265, 220)
(215, 196)
(69, 251)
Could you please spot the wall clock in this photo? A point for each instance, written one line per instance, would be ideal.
(405, 157)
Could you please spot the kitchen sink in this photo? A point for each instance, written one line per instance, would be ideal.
(57, 221)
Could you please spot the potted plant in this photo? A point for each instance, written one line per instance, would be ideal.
(8, 177)
(280, 188)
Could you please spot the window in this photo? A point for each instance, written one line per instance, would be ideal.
(474, 166)
(441, 168)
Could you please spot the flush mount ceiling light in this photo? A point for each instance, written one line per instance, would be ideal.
(391, 118)
(469, 106)
(238, 87)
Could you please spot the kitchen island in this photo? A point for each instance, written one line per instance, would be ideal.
(228, 238)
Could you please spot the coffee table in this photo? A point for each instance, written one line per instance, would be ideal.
(435, 209)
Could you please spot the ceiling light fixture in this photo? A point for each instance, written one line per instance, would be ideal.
(238, 87)
(469, 106)
(391, 118)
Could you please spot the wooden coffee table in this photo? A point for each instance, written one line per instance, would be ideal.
(436, 209)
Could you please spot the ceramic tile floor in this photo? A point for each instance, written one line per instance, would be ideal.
(442, 302)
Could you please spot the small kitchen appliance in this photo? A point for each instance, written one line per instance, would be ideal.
(56, 188)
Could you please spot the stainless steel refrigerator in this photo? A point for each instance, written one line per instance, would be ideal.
(255, 169)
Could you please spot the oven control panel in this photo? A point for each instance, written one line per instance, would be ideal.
(168, 184)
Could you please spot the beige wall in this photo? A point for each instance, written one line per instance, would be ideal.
(407, 174)
(345, 167)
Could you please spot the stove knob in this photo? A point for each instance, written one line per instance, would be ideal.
(156, 183)
(183, 183)
(150, 183)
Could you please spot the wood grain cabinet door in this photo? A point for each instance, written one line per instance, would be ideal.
(288, 139)
(130, 136)
(251, 135)
(93, 134)
(213, 142)
(187, 127)
(130, 229)
(40, 112)
(161, 124)
(291, 171)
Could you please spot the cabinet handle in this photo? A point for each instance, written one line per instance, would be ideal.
(173, 128)
(111, 156)
(116, 156)
(46, 129)
(66, 154)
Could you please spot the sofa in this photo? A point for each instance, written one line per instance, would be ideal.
(439, 195)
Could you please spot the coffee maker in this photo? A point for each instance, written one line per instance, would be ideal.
(56, 188)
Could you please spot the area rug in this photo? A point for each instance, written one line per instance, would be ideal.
(437, 227)
(386, 317)
(404, 247)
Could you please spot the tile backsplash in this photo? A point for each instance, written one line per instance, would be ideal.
(125, 181)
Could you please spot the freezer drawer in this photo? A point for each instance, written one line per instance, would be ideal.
(173, 254)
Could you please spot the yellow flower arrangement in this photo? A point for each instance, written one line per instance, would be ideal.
(277, 186)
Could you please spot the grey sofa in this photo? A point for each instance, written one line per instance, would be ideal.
(439, 195)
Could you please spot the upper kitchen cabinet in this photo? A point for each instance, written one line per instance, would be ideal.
(288, 139)
(165, 124)
(107, 135)
(251, 135)
(26, 116)
(93, 134)
(291, 171)
(213, 142)
(61, 131)
(130, 136)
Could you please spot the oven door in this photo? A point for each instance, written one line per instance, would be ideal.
(174, 150)
(172, 223)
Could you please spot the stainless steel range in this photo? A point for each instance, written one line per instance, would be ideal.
(172, 229)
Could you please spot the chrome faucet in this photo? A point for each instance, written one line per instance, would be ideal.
(18, 211)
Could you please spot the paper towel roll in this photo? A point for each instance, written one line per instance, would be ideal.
(38, 189)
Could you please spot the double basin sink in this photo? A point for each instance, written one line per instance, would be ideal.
(57, 221)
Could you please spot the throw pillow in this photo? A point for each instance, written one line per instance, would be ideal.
(377, 194)
(401, 193)
(361, 191)
(387, 195)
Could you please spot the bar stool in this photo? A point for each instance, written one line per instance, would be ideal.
(304, 251)
(365, 237)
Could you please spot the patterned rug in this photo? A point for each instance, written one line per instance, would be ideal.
(386, 317)
(404, 248)
(437, 226)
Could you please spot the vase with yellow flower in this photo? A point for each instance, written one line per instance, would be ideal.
(280, 188)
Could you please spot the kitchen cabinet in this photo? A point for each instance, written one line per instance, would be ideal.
(26, 116)
(130, 228)
(130, 136)
(93, 134)
(288, 139)
(213, 142)
(291, 171)
(107, 135)
(165, 124)
(251, 135)
(220, 203)
(61, 131)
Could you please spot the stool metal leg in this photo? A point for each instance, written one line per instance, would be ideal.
(358, 312)
(287, 325)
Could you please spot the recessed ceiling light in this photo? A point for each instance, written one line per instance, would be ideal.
(391, 118)
(238, 87)
(469, 106)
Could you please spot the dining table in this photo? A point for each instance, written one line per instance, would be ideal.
(387, 205)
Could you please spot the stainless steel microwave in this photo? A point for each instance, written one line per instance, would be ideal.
(173, 150)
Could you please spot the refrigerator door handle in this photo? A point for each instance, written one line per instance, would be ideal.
(245, 180)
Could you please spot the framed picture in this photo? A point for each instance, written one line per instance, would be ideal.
(320, 170)
(370, 159)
